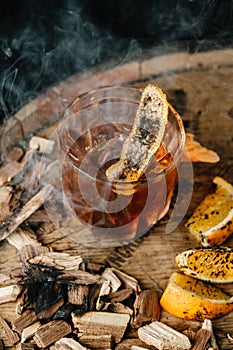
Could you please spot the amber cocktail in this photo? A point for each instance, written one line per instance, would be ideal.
(91, 134)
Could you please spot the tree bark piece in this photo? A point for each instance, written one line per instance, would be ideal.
(50, 332)
(24, 213)
(101, 323)
(146, 308)
(163, 337)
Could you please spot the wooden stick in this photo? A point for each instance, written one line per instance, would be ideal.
(24, 213)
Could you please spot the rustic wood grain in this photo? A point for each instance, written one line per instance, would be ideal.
(200, 88)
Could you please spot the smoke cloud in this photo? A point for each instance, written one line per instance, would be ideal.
(42, 43)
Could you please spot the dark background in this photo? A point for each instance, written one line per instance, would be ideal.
(43, 42)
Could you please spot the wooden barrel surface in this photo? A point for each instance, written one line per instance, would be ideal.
(200, 88)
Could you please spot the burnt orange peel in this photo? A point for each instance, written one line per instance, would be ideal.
(145, 137)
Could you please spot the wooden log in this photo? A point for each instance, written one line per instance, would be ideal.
(51, 332)
(101, 323)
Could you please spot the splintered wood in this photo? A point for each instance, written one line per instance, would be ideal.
(145, 137)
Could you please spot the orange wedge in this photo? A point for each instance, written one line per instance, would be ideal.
(212, 264)
(191, 299)
(212, 221)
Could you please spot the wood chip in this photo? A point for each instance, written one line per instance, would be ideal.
(9, 293)
(101, 323)
(1, 345)
(26, 319)
(110, 276)
(104, 290)
(12, 336)
(24, 213)
(203, 335)
(97, 342)
(197, 153)
(118, 296)
(67, 344)
(50, 332)
(146, 308)
(128, 281)
(49, 311)
(42, 145)
(24, 346)
(78, 294)
(61, 261)
(29, 331)
(163, 337)
(5, 197)
(118, 308)
(79, 277)
(8, 171)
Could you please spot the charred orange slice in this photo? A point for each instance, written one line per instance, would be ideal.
(145, 137)
(213, 264)
(212, 221)
(191, 299)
